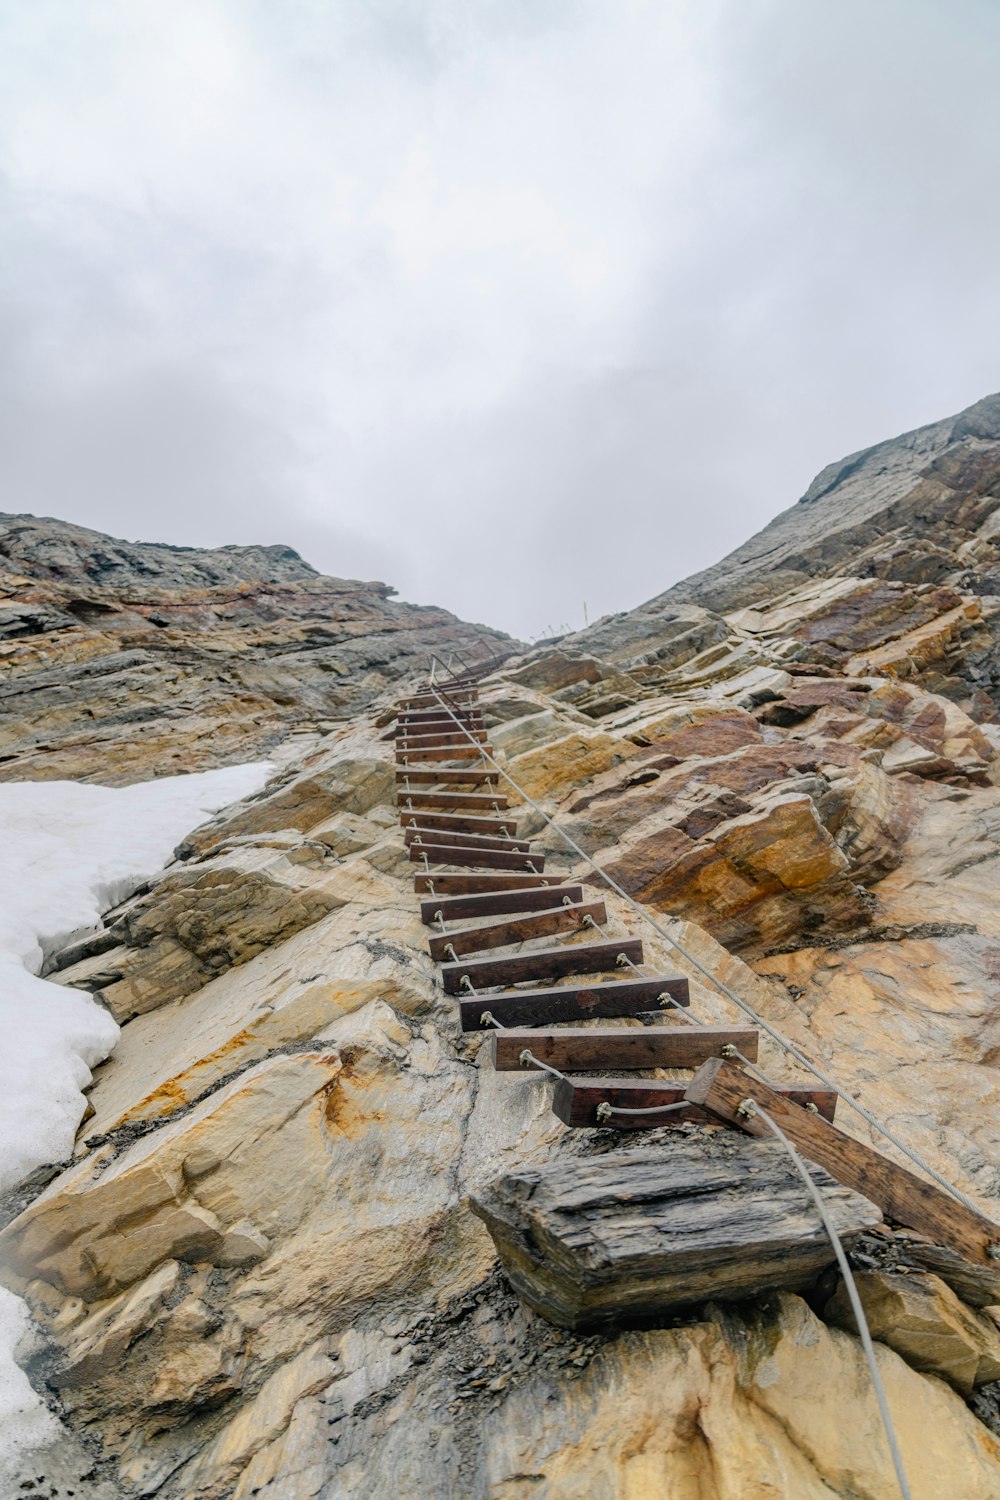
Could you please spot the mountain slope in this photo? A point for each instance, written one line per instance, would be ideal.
(126, 660)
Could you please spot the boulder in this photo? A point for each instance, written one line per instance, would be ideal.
(636, 1234)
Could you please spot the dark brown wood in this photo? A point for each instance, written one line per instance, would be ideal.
(441, 838)
(518, 930)
(543, 963)
(449, 736)
(476, 859)
(459, 822)
(417, 801)
(625, 997)
(575, 1102)
(721, 1087)
(497, 903)
(454, 884)
(432, 700)
(437, 752)
(439, 715)
(586, 1049)
(444, 776)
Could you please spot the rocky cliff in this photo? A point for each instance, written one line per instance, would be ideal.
(122, 660)
(261, 1275)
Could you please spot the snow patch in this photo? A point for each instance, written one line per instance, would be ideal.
(67, 853)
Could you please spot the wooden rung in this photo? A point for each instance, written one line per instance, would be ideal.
(518, 930)
(593, 1047)
(451, 736)
(721, 1087)
(496, 903)
(431, 700)
(418, 801)
(485, 859)
(440, 837)
(460, 776)
(438, 752)
(545, 963)
(467, 715)
(575, 1102)
(453, 884)
(458, 822)
(624, 997)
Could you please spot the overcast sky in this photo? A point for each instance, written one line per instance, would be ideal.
(515, 304)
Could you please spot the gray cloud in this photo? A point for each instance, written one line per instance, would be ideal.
(516, 305)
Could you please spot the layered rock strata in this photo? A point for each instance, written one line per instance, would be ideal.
(124, 660)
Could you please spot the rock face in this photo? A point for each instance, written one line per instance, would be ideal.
(638, 1234)
(263, 1275)
(127, 660)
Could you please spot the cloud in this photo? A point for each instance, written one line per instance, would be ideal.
(520, 304)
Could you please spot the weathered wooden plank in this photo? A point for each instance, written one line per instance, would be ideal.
(448, 736)
(417, 801)
(437, 752)
(497, 903)
(518, 929)
(626, 1235)
(721, 1087)
(576, 1100)
(466, 714)
(451, 883)
(441, 837)
(459, 822)
(593, 1047)
(543, 963)
(445, 776)
(461, 696)
(477, 859)
(623, 997)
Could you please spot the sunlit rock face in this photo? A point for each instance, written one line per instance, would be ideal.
(126, 660)
(262, 1274)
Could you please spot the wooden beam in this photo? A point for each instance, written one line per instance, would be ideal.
(497, 903)
(576, 1100)
(459, 822)
(544, 963)
(454, 884)
(623, 997)
(476, 859)
(447, 736)
(444, 776)
(431, 700)
(440, 716)
(586, 1049)
(418, 801)
(721, 1087)
(441, 838)
(437, 752)
(518, 930)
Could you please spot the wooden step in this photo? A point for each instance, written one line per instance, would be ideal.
(431, 700)
(575, 1102)
(587, 1049)
(721, 1087)
(417, 801)
(451, 883)
(438, 752)
(544, 963)
(440, 837)
(467, 715)
(458, 822)
(567, 918)
(477, 859)
(419, 776)
(497, 903)
(623, 997)
(435, 737)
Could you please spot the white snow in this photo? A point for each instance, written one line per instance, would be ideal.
(67, 853)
